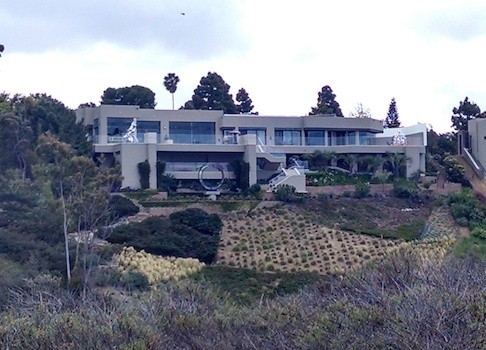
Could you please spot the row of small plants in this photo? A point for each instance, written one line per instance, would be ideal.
(333, 177)
(402, 188)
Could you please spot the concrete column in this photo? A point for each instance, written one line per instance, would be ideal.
(250, 156)
(152, 159)
(150, 139)
(326, 136)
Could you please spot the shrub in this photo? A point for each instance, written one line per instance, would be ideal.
(256, 191)
(120, 207)
(173, 237)
(466, 208)
(198, 219)
(479, 232)
(361, 190)
(134, 280)
(167, 183)
(405, 189)
(241, 170)
(455, 171)
(144, 172)
(285, 193)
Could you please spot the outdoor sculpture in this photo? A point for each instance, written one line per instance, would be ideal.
(399, 139)
(131, 134)
(209, 187)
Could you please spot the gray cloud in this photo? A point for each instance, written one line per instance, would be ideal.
(460, 24)
(207, 29)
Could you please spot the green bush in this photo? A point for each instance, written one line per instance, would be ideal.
(120, 207)
(241, 170)
(467, 209)
(361, 190)
(479, 232)
(455, 171)
(285, 193)
(134, 281)
(144, 172)
(256, 191)
(188, 234)
(198, 219)
(167, 183)
(403, 188)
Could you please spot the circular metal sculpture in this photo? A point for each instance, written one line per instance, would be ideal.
(204, 184)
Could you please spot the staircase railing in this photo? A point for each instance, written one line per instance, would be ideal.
(475, 165)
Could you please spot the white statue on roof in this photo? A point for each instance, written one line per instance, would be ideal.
(399, 139)
(131, 134)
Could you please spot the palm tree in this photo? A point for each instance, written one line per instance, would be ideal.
(170, 82)
(397, 161)
(351, 160)
(372, 163)
(320, 160)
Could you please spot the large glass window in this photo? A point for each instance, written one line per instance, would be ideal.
(365, 138)
(118, 126)
(192, 132)
(315, 137)
(351, 138)
(288, 137)
(339, 138)
(261, 134)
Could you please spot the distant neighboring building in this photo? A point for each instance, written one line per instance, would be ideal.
(188, 139)
(471, 145)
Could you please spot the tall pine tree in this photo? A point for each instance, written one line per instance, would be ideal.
(392, 120)
(244, 102)
(326, 103)
(212, 93)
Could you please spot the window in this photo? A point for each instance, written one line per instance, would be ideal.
(351, 138)
(192, 132)
(365, 138)
(315, 137)
(118, 126)
(288, 137)
(339, 138)
(261, 134)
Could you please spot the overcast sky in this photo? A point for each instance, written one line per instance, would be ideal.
(425, 53)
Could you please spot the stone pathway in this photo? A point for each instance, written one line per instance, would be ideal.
(440, 223)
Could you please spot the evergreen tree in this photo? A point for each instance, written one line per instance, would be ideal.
(1, 49)
(134, 95)
(244, 105)
(392, 120)
(326, 103)
(465, 112)
(212, 93)
(170, 82)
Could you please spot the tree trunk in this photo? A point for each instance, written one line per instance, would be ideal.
(172, 101)
(66, 238)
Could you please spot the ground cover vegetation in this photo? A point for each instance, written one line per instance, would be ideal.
(469, 210)
(403, 302)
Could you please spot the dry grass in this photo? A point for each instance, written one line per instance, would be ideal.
(280, 240)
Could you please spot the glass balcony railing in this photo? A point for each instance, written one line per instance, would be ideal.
(191, 166)
(315, 141)
(204, 139)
